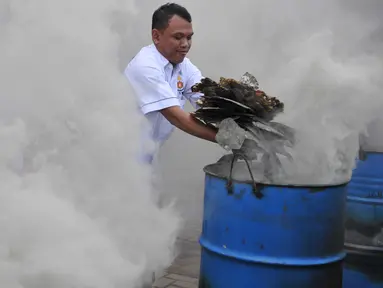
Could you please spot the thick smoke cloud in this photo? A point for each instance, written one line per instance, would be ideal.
(76, 209)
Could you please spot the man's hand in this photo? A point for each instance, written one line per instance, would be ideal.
(185, 121)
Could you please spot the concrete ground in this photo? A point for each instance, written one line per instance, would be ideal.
(184, 271)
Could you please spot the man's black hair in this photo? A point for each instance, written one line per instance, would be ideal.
(164, 13)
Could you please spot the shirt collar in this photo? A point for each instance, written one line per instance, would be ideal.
(163, 60)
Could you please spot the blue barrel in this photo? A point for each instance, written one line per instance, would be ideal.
(292, 237)
(363, 266)
(365, 191)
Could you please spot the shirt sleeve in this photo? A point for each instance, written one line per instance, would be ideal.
(152, 91)
(194, 78)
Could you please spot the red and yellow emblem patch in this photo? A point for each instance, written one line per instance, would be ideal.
(180, 84)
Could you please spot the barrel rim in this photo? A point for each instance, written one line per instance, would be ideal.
(365, 248)
(205, 169)
(371, 151)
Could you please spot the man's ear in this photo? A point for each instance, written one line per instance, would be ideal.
(156, 36)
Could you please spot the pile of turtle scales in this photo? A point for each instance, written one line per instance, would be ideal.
(243, 114)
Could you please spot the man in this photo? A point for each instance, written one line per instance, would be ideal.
(161, 77)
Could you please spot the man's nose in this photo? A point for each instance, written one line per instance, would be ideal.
(184, 43)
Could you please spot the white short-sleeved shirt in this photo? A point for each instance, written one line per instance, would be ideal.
(157, 85)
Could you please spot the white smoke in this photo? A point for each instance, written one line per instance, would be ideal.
(76, 208)
(330, 102)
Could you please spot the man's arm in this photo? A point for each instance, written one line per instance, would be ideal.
(188, 124)
(155, 94)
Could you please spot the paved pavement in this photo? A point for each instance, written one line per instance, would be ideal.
(184, 271)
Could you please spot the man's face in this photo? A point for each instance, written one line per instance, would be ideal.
(175, 41)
